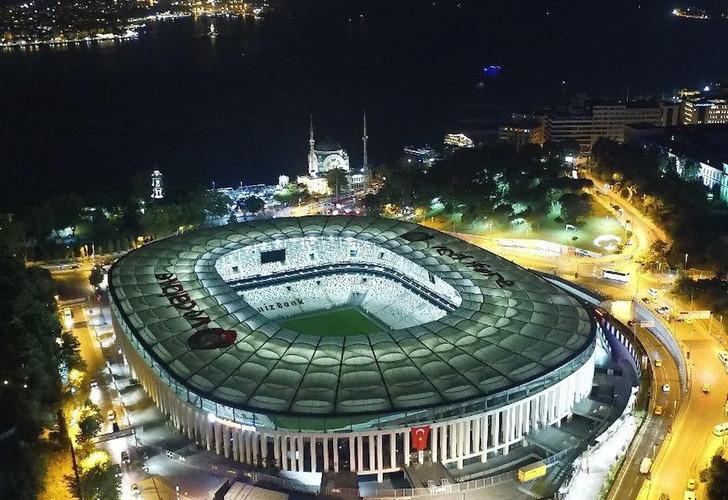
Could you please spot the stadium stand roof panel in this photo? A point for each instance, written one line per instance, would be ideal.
(512, 327)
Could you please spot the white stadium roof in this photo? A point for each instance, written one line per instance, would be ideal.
(511, 327)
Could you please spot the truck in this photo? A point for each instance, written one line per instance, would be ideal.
(645, 465)
(531, 471)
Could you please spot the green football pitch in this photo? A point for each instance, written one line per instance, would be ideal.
(335, 323)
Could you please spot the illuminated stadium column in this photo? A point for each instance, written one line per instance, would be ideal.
(372, 451)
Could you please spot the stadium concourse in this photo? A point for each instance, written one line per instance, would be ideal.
(322, 344)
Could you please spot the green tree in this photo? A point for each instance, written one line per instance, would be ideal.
(67, 211)
(28, 328)
(293, 193)
(338, 181)
(89, 422)
(252, 205)
(216, 204)
(97, 276)
(574, 206)
(39, 222)
(691, 170)
(68, 351)
(101, 482)
(718, 478)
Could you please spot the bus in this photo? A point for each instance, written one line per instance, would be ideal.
(531, 471)
(610, 274)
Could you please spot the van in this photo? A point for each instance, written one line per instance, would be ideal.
(721, 429)
(652, 292)
(645, 465)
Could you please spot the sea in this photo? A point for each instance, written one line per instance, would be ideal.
(235, 108)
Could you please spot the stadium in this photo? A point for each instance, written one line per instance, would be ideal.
(342, 343)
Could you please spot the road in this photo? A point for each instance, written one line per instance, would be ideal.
(690, 444)
(656, 427)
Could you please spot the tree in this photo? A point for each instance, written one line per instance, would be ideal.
(691, 170)
(28, 328)
(718, 478)
(97, 276)
(101, 482)
(89, 422)
(252, 205)
(337, 181)
(68, 351)
(292, 193)
(100, 478)
(67, 211)
(574, 206)
(216, 204)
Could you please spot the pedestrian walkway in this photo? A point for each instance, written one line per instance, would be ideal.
(595, 466)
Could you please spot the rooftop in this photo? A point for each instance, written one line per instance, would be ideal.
(511, 327)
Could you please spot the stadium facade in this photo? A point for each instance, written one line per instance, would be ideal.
(428, 348)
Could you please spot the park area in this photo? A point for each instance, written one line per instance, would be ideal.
(598, 232)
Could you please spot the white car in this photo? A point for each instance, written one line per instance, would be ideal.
(664, 310)
(111, 415)
(658, 363)
(666, 388)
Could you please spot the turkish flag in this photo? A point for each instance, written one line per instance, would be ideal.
(419, 437)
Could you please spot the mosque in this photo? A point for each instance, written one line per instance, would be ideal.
(324, 156)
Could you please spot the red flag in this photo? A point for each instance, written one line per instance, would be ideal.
(419, 437)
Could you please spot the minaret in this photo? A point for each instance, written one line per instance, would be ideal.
(312, 161)
(364, 138)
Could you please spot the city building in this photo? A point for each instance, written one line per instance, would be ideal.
(607, 119)
(574, 126)
(424, 157)
(610, 118)
(708, 106)
(700, 152)
(459, 354)
(523, 132)
(704, 110)
(458, 140)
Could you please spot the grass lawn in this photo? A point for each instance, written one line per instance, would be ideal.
(599, 222)
(334, 323)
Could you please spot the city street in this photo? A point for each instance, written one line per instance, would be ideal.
(689, 444)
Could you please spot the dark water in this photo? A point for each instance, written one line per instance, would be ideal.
(236, 108)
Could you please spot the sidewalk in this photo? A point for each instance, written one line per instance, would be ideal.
(594, 468)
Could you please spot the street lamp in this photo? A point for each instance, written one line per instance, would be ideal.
(686, 261)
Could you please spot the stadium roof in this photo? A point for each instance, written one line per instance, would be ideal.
(511, 328)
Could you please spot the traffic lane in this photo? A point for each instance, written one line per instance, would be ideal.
(693, 442)
(96, 369)
(72, 284)
(655, 427)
